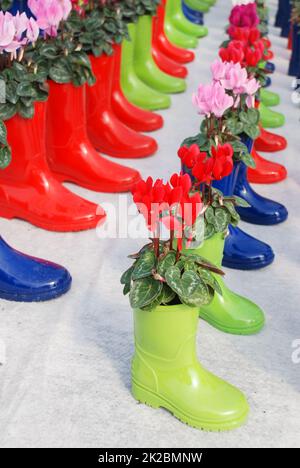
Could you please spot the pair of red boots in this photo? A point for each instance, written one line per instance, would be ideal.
(267, 172)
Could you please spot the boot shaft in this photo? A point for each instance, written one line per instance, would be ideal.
(26, 138)
(165, 337)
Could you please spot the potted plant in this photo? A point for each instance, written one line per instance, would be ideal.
(247, 48)
(28, 189)
(100, 29)
(166, 286)
(227, 311)
(229, 98)
(71, 155)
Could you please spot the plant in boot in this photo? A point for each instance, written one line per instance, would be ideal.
(165, 286)
(23, 82)
(162, 273)
(43, 201)
(101, 30)
(228, 311)
(227, 104)
(58, 52)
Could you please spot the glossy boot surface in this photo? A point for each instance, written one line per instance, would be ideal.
(194, 16)
(145, 66)
(175, 35)
(135, 89)
(28, 279)
(167, 374)
(29, 190)
(179, 21)
(228, 312)
(166, 64)
(265, 172)
(262, 210)
(242, 251)
(134, 117)
(269, 142)
(106, 132)
(268, 98)
(178, 54)
(197, 5)
(245, 252)
(270, 118)
(70, 153)
(294, 67)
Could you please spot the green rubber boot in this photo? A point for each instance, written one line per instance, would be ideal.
(228, 312)
(198, 5)
(176, 16)
(144, 65)
(175, 36)
(270, 118)
(134, 89)
(167, 374)
(268, 98)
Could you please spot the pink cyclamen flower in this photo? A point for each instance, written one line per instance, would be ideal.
(16, 31)
(212, 99)
(49, 13)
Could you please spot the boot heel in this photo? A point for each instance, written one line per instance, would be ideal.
(146, 397)
(6, 213)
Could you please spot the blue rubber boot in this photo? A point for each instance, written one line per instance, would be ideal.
(242, 251)
(28, 279)
(286, 19)
(270, 67)
(194, 16)
(280, 14)
(262, 210)
(294, 68)
(21, 6)
(268, 82)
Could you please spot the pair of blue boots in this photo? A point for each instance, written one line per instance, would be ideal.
(242, 251)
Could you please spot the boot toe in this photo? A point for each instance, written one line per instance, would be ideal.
(244, 252)
(26, 279)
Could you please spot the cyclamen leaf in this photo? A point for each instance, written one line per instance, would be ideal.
(183, 285)
(209, 278)
(144, 292)
(221, 219)
(126, 277)
(144, 265)
(3, 133)
(5, 157)
(168, 261)
(241, 202)
(200, 297)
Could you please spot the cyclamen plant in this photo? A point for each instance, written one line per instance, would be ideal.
(22, 82)
(57, 52)
(227, 105)
(246, 45)
(219, 211)
(97, 25)
(163, 273)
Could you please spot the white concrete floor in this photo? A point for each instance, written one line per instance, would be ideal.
(66, 379)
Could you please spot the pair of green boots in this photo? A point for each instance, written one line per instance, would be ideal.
(143, 83)
(165, 370)
(179, 30)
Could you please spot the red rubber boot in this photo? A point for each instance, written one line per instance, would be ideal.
(167, 65)
(71, 155)
(269, 142)
(266, 172)
(28, 189)
(134, 117)
(178, 54)
(107, 133)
